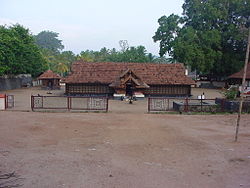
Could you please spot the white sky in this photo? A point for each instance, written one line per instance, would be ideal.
(92, 24)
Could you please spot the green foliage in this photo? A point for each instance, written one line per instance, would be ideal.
(58, 62)
(131, 54)
(211, 36)
(231, 93)
(169, 27)
(49, 40)
(21, 52)
(87, 56)
(18, 52)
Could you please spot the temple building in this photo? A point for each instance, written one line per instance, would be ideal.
(50, 80)
(236, 78)
(114, 79)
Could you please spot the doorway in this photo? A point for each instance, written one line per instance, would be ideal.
(129, 90)
(50, 84)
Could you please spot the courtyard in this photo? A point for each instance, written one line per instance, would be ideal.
(126, 147)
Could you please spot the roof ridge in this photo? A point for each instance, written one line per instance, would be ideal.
(149, 63)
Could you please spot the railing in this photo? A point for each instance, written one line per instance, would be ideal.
(157, 104)
(69, 103)
(233, 105)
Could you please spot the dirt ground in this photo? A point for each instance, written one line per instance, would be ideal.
(124, 148)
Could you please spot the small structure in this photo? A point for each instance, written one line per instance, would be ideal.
(50, 80)
(236, 78)
(127, 79)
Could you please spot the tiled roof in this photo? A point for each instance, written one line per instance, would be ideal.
(108, 72)
(240, 73)
(121, 80)
(49, 74)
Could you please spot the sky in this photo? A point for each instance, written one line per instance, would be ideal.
(92, 24)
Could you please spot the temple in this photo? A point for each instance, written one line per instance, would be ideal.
(114, 79)
(50, 80)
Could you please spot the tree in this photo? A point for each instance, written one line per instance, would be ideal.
(166, 33)
(58, 62)
(124, 45)
(87, 56)
(162, 60)
(18, 52)
(64, 61)
(135, 54)
(49, 40)
(210, 36)
(131, 54)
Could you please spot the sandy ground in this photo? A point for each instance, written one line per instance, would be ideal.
(123, 148)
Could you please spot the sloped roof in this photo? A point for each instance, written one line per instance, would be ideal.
(49, 74)
(240, 73)
(121, 80)
(108, 72)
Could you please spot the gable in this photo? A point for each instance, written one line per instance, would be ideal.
(128, 77)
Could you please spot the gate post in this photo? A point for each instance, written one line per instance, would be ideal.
(201, 104)
(107, 104)
(42, 101)
(68, 103)
(186, 105)
(32, 103)
(222, 104)
(6, 102)
(149, 104)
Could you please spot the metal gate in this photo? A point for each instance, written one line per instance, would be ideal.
(69, 103)
(160, 104)
(183, 105)
(10, 101)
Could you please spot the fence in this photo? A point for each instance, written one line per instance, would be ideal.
(233, 105)
(69, 103)
(183, 105)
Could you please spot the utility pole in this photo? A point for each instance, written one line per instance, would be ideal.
(243, 86)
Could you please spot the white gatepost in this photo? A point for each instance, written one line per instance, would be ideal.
(2, 101)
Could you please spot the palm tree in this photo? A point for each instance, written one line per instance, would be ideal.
(62, 68)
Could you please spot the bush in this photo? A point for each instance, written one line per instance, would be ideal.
(231, 93)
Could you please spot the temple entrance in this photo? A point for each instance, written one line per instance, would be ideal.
(128, 83)
(129, 90)
(50, 84)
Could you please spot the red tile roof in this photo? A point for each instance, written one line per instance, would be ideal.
(49, 74)
(121, 80)
(240, 73)
(108, 72)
